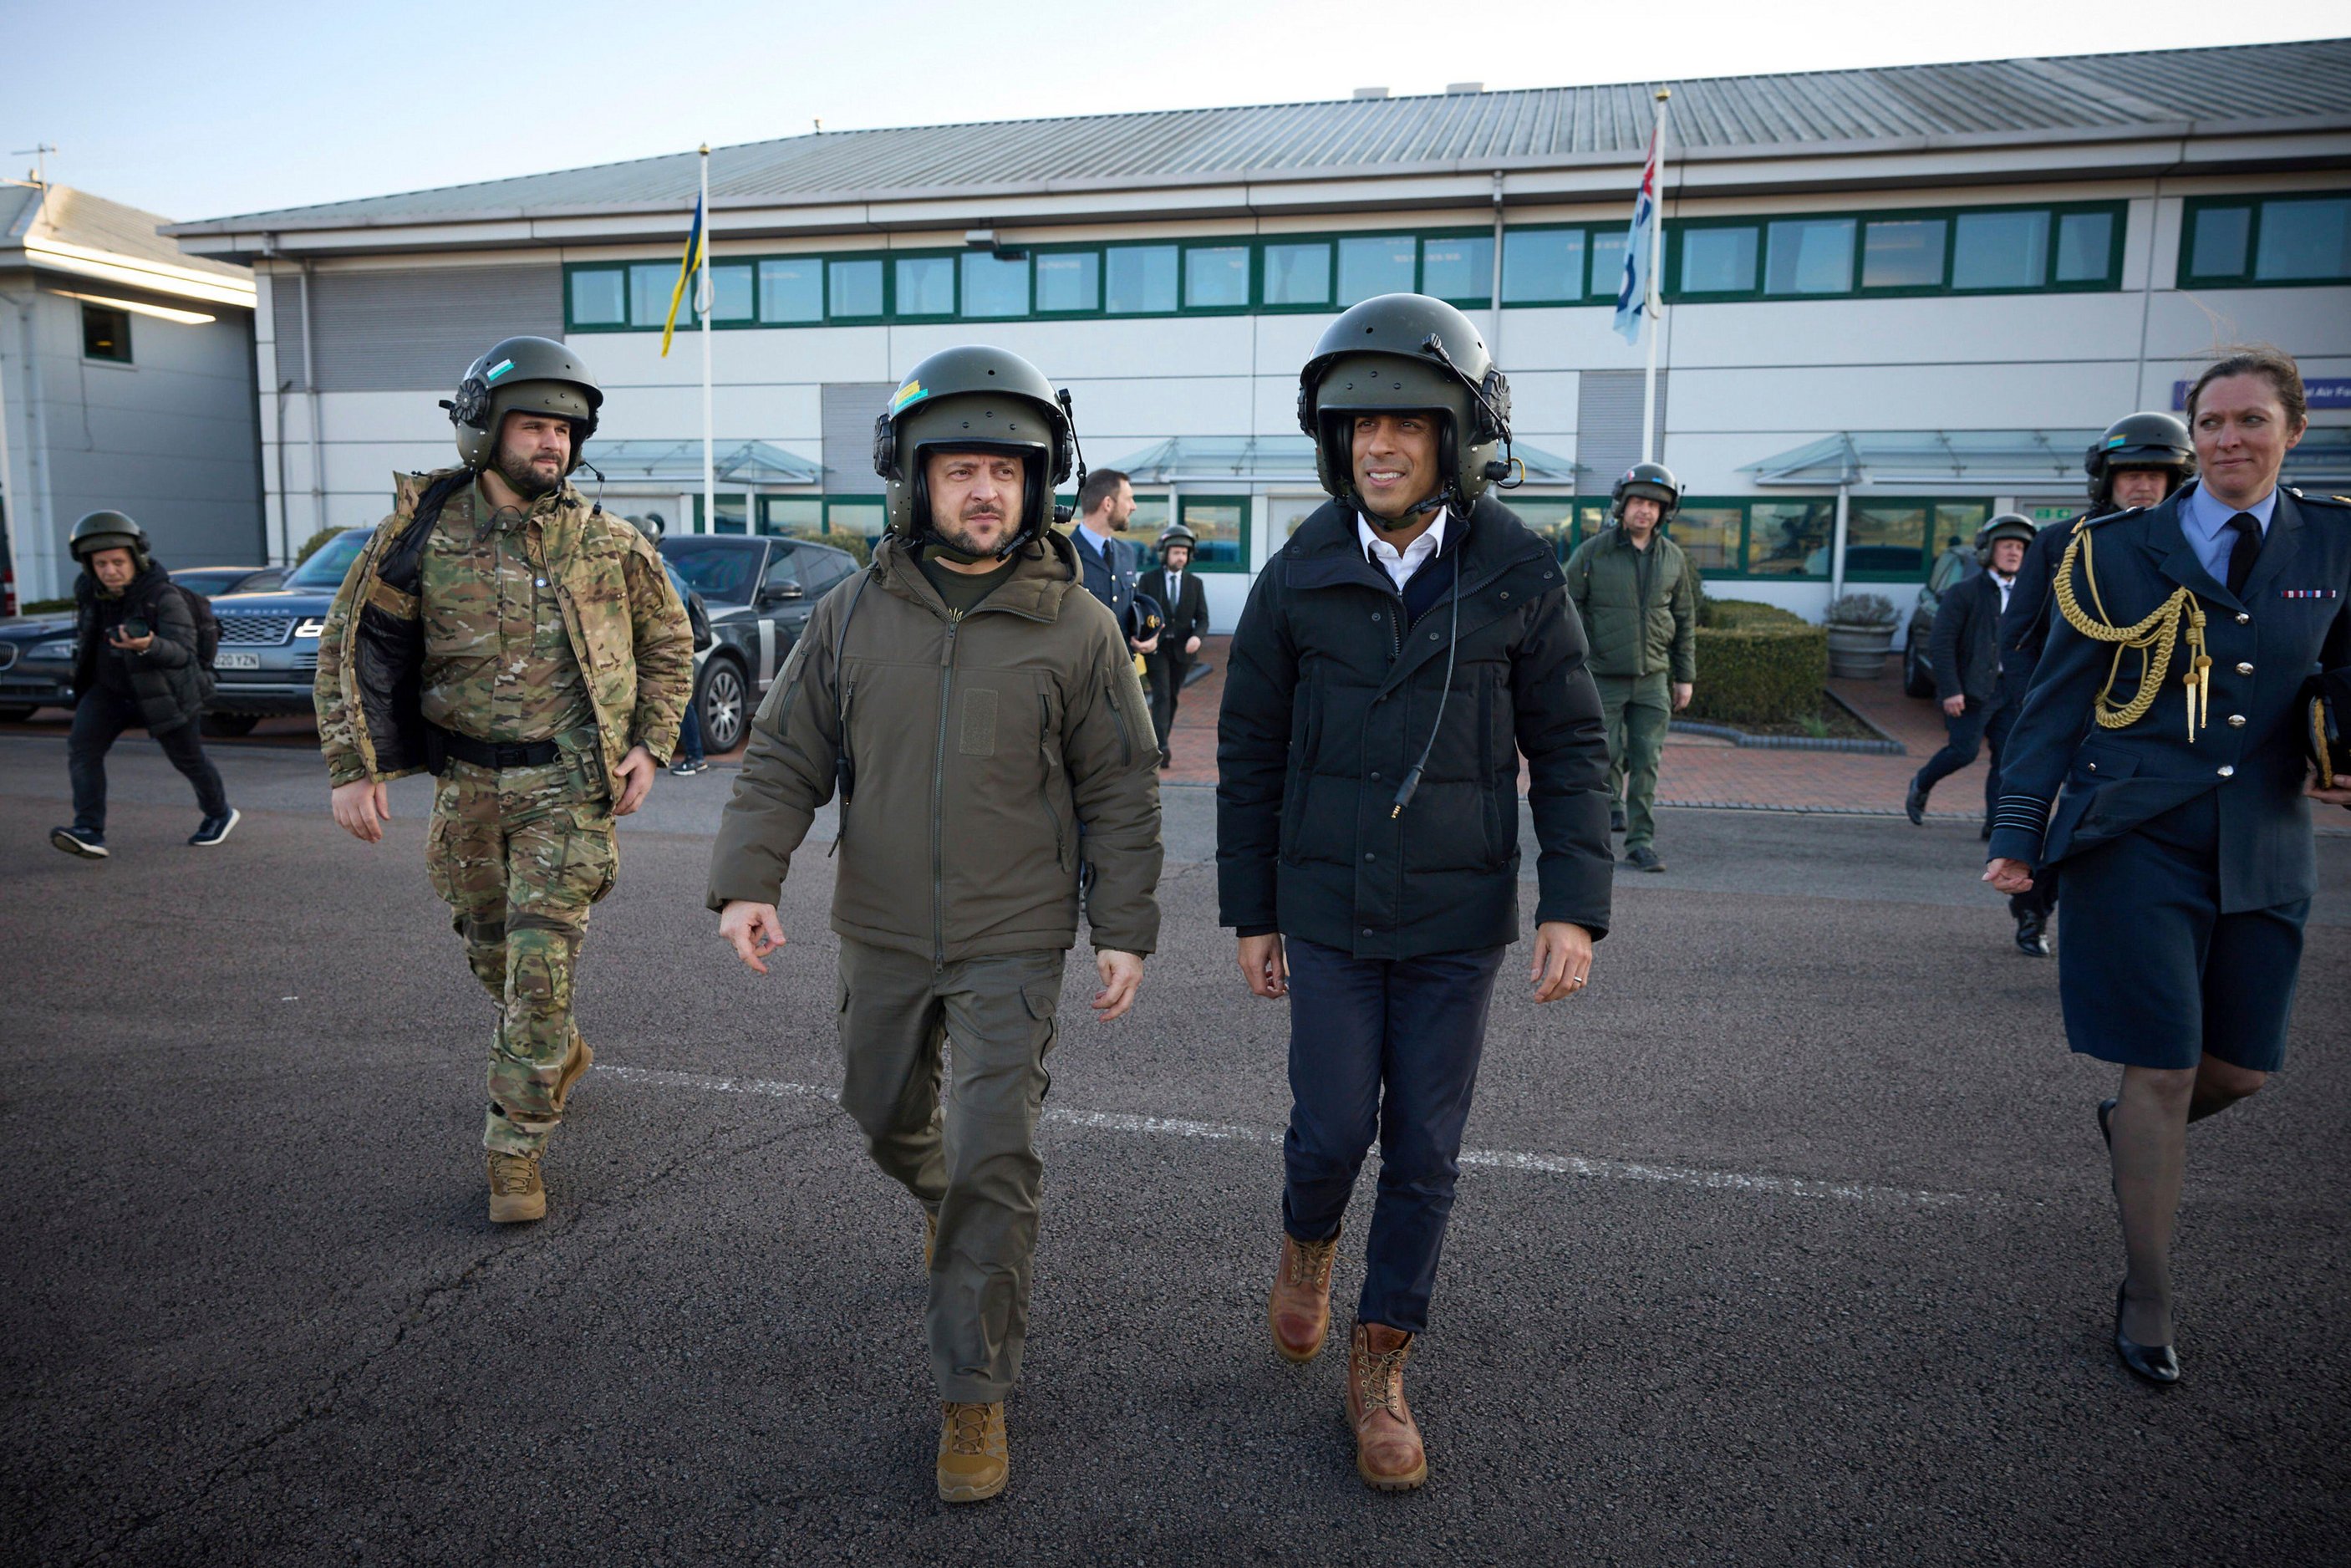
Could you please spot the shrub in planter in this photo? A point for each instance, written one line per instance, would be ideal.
(1759, 673)
(1734, 613)
(1862, 610)
(1860, 633)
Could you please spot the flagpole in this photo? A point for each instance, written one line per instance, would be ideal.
(703, 297)
(1655, 302)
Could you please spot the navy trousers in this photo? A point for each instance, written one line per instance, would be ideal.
(99, 718)
(1967, 734)
(1385, 1048)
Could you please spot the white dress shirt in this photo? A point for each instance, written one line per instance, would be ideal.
(1400, 564)
(2005, 584)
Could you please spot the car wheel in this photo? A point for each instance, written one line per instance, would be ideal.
(724, 704)
(16, 713)
(229, 725)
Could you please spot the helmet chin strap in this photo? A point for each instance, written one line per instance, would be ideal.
(1421, 509)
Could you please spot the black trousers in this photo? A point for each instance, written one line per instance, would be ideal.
(99, 721)
(1383, 1049)
(1166, 671)
(1982, 723)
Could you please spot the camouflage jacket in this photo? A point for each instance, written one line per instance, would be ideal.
(627, 629)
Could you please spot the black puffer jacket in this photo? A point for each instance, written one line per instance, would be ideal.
(1329, 698)
(167, 683)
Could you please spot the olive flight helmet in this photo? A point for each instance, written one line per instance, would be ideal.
(522, 375)
(109, 530)
(2147, 440)
(2007, 525)
(1407, 353)
(1176, 534)
(1653, 480)
(975, 399)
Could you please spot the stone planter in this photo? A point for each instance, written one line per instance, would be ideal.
(1858, 652)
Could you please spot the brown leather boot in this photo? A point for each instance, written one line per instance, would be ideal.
(1388, 1454)
(974, 1456)
(1299, 1311)
(575, 1067)
(516, 1194)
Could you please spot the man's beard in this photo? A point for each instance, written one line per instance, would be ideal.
(516, 468)
(959, 536)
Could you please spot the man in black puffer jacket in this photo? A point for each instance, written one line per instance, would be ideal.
(1407, 645)
(135, 666)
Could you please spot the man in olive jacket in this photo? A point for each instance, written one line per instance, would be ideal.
(1637, 595)
(979, 713)
(1395, 659)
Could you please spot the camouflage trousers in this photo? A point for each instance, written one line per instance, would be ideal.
(520, 856)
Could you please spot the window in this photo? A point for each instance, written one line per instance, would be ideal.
(1607, 246)
(783, 573)
(1709, 534)
(1552, 518)
(1217, 277)
(2084, 245)
(734, 515)
(2220, 242)
(994, 287)
(1718, 260)
(1460, 270)
(1298, 273)
(853, 290)
(1790, 539)
(1904, 253)
(105, 333)
(651, 285)
(1375, 265)
(730, 292)
(791, 513)
(1810, 255)
(862, 516)
(1541, 267)
(820, 569)
(1139, 279)
(1069, 281)
(1884, 539)
(926, 285)
(2304, 241)
(791, 291)
(2000, 250)
(600, 298)
(1221, 525)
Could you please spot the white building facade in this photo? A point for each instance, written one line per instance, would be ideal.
(1896, 300)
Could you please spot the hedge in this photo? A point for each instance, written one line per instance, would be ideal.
(1736, 613)
(1766, 674)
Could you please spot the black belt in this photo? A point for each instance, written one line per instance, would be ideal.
(497, 754)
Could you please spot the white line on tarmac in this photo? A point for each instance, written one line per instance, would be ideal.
(1500, 1159)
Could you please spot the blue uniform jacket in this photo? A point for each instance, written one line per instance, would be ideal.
(1111, 575)
(2292, 620)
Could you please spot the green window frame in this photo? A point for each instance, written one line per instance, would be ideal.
(1538, 251)
(1787, 537)
(2239, 241)
(2072, 247)
(1076, 273)
(1220, 550)
(1143, 261)
(1222, 263)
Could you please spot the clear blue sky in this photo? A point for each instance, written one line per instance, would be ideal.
(202, 109)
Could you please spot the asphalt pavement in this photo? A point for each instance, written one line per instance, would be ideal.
(1788, 1242)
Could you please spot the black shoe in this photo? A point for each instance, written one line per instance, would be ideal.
(2157, 1364)
(2031, 934)
(1644, 859)
(2105, 1121)
(1167, 760)
(683, 768)
(1986, 834)
(1616, 819)
(213, 830)
(1914, 805)
(87, 842)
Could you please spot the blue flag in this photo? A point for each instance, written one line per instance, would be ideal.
(1633, 288)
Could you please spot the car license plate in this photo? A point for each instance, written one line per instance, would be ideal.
(226, 660)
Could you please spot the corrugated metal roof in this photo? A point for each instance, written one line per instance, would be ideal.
(2079, 94)
(75, 217)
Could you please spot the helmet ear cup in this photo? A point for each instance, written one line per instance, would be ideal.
(885, 447)
(471, 407)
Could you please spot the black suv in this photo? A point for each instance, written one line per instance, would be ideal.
(760, 592)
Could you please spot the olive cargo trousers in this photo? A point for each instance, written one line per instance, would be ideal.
(1637, 710)
(971, 1160)
(520, 856)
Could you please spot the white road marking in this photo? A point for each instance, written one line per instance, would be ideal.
(1499, 1159)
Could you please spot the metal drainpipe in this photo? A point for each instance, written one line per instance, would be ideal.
(40, 517)
(1836, 548)
(1494, 334)
(311, 386)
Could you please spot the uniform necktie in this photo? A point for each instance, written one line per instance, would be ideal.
(2243, 554)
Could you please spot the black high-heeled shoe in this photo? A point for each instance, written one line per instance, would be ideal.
(2157, 1364)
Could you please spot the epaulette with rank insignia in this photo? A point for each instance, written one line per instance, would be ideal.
(2328, 501)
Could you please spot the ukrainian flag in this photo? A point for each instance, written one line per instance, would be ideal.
(695, 246)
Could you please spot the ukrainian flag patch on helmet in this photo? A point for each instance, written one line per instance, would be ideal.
(501, 368)
(913, 391)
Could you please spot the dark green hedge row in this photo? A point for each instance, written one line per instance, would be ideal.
(1764, 673)
(1733, 614)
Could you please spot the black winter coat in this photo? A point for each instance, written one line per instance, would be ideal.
(1330, 694)
(1965, 641)
(166, 681)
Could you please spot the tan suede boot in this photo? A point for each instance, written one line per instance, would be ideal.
(1388, 1454)
(516, 1194)
(575, 1067)
(974, 1456)
(1299, 1311)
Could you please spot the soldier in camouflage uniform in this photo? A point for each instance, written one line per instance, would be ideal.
(528, 649)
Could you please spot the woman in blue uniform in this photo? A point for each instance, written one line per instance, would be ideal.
(2168, 705)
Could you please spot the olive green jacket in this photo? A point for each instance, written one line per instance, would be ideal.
(1001, 761)
(627, 630)
(1640, 622)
